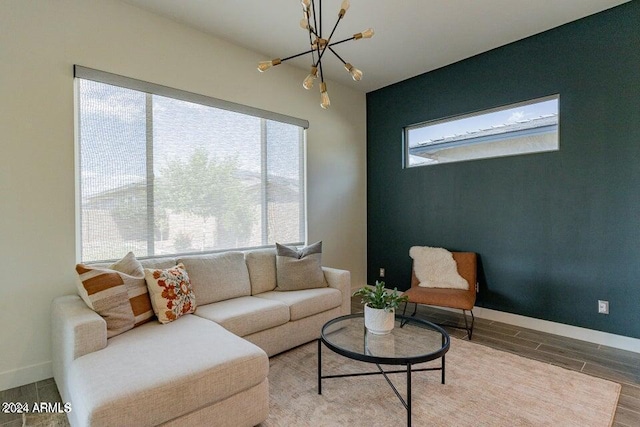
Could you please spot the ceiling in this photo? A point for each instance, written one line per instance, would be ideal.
(411, 36)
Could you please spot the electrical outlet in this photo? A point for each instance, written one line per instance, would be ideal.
(603, 307)
(381, 273)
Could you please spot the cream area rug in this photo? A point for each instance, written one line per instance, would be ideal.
(484, 387)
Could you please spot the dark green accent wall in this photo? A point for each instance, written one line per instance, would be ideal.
(555, 231)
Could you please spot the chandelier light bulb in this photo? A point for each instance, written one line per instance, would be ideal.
(305, 4)
(304, 24)
(366, 34)
(324, 96)
(343, 8)
(308, 81)
(265, 65)
(355, 73)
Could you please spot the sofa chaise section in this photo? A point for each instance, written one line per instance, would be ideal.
(155, 373)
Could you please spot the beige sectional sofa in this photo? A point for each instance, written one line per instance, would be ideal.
(206, 368)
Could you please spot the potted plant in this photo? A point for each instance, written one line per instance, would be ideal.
(379, 307)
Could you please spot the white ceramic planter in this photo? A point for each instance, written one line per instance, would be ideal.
(377, 321)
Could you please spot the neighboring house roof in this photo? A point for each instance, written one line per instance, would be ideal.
(538, 125)
(280, 189)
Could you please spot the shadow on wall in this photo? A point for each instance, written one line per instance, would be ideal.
(485, 293)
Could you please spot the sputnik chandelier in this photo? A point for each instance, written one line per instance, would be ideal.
(318, 46)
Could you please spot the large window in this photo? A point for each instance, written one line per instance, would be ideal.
(165, 172)
(526, 127)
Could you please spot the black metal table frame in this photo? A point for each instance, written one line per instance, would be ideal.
(407, 361)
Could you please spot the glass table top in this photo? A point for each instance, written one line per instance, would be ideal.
(417, 341)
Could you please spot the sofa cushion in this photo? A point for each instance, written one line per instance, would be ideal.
(158, 262)
(217, 277)
(261, 264)
(306, 302)
(171, 292)
(299, 268)
(156, 373)
(246, 315)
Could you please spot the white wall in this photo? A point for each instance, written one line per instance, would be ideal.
(40, 40)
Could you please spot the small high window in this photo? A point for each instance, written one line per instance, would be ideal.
(522, 128)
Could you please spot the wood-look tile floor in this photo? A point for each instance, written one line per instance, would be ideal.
(41, 391)
(597, 360)
(612, 364)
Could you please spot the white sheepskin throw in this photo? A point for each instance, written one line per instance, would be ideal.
(436, 268)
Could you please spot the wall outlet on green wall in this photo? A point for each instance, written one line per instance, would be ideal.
(603, 307)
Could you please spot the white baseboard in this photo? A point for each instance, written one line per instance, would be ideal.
(25, 375)
(569, 331)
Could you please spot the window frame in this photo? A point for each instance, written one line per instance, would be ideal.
(85, 73)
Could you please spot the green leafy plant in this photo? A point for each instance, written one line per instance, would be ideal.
(380, 298)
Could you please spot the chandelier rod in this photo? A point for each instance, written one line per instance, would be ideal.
(342, 41)
(321, 75)
(313, 56)
(313, 50)
(319, 16)
(315, 21)
(337, 56)
(334, 28)
(297, 54)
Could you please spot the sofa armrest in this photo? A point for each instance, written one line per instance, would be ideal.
(341, 280)
(76, 330)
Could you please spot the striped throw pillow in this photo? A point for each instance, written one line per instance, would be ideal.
(133, 277)
(118, 293)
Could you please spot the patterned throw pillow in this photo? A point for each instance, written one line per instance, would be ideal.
(299, 268)
(171, 292)
(133, 277)
(117, 292)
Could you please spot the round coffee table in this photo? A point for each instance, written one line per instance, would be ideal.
(411, 341)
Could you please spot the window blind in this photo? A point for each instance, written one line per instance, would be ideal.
(163, 171)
